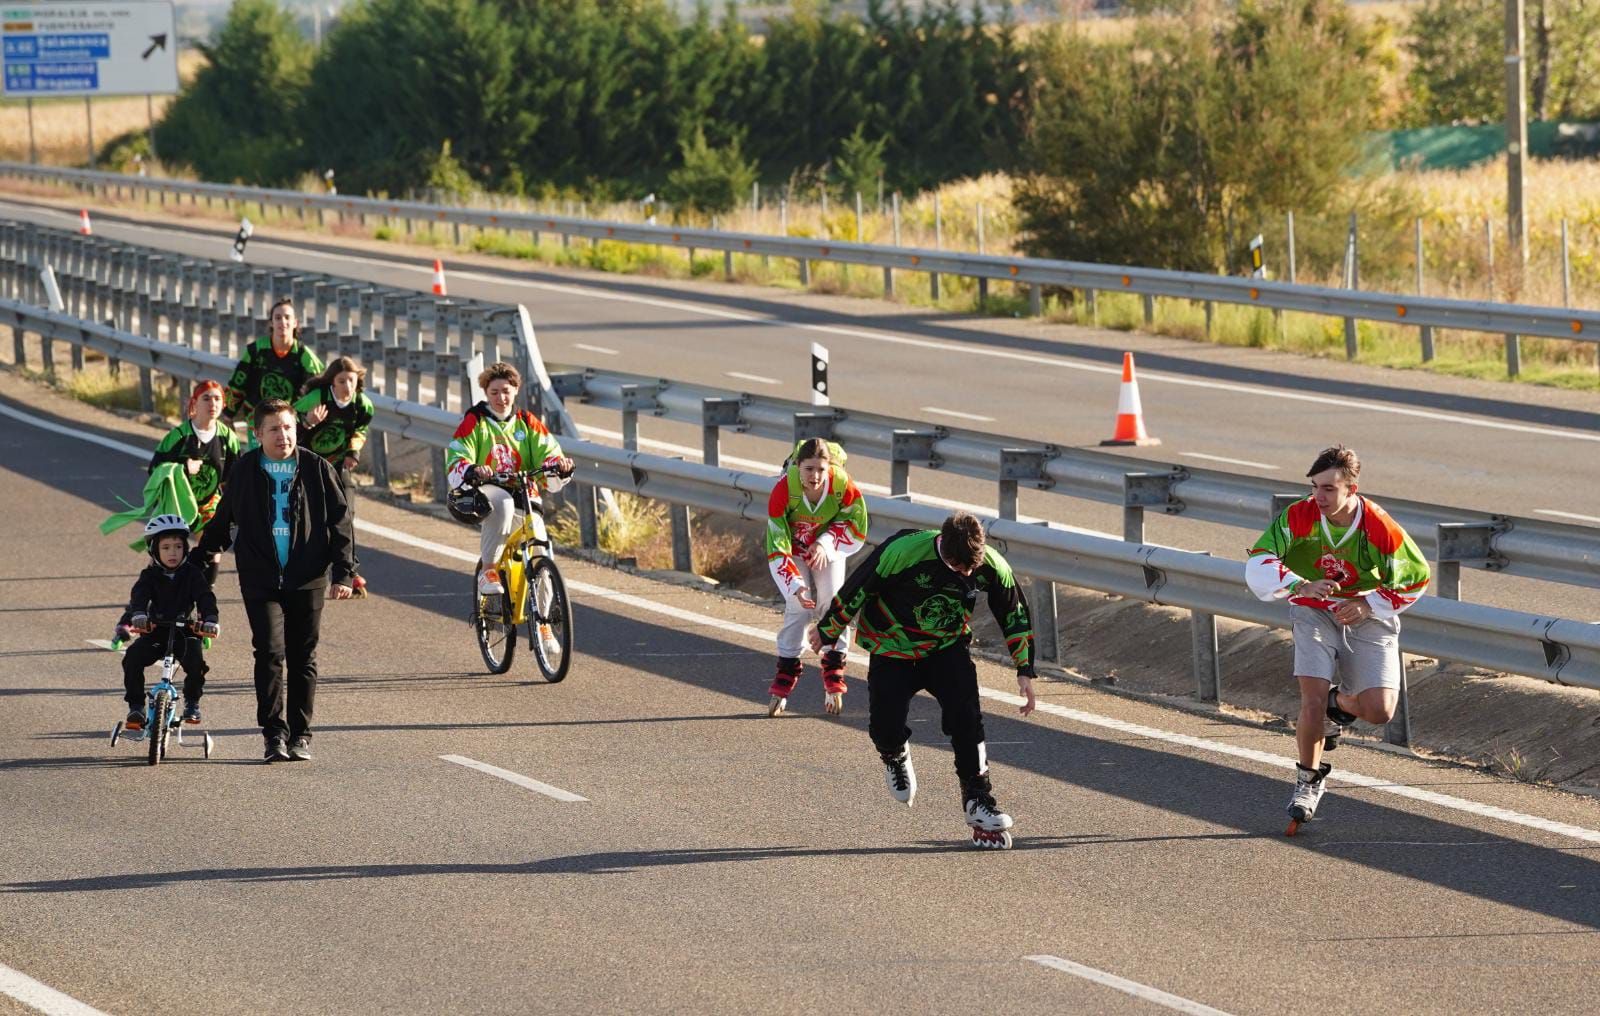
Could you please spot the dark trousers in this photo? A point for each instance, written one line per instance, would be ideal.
(950, 677)
(284, 629)
(151, 648)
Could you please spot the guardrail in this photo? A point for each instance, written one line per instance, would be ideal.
(1031, 275)
(418, 345)
(1453, 537)
(1554, 649)
(415, 345)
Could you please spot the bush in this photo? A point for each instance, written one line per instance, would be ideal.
(711, 180)
(860, 164)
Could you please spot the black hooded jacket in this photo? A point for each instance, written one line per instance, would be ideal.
(320, 535)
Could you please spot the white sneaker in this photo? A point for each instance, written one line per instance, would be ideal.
(552, 645)
(900, 775)
(489, 582)
(1308, 789)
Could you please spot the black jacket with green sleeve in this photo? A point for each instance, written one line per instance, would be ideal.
(909, 604)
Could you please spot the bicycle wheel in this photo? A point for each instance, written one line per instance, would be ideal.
(550, 622)
(160, 717)
(497, 640)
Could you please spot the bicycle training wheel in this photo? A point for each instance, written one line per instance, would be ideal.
(161, 716)
(497, 640)
(550, 621)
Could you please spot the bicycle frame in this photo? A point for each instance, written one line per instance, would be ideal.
(522, 547)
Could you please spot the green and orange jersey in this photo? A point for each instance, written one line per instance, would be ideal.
(1371, 559)
(836, 521)
(519, 442)
(263, 374)
(343, 431)
(908, 604)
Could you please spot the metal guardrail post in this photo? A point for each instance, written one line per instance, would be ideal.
(1426, 335)
(1148, 490)
(906, 447)
(808, 425)
(1035, 300)
(1207, 668)
(1470, 542)
(1026, 465)
(682, 535)
(1398, 729)
(1513, 355)
(714, 415)
(1149, 309)
(588, 522)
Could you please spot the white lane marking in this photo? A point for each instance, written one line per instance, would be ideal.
(1092, 719)
(596, 349)
(757, 378)
(1231, 462)
(1127, 987)
(1566, 515)
(950, 347)
(103, 644)
(1078, 715)
(958, 414)
(517, 778)
(1282, 762)
(41, 996)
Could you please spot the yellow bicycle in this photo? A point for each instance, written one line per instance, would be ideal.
(535, 596)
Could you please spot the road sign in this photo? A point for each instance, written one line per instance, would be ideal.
(88, 49)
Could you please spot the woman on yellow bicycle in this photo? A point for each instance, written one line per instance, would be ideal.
(494, 437)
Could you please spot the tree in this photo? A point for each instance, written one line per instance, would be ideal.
(711, 180)
(396, 79)
(1458, 53)
(239, 118)
(1164, 150)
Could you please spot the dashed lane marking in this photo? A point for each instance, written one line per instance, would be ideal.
(1127, 987)
(517, 778)
(42, 997)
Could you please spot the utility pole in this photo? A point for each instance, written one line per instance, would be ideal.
(1516, 138)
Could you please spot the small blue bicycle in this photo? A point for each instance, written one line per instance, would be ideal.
(161, 701)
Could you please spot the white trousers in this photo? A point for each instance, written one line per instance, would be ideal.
(822, 583)
(502, 521)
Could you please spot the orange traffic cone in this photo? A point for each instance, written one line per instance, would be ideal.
(1130, 415)
(83, 222)
(438, 277)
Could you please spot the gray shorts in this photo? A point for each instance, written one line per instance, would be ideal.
(1354, 658)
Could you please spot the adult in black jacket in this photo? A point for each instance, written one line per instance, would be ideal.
(285, 515)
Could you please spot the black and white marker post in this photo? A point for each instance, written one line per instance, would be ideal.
(819, 374)
(240, 239)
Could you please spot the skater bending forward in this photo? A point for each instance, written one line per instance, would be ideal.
(815, 519)
(913, 598)
(1348, 571)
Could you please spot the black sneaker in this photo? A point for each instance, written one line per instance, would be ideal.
(276, 752)
(191, 712)
(300, 749)
(135, 720)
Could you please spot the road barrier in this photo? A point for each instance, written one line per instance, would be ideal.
(1031, 275)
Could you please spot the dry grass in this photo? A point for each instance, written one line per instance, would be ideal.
(60, 126)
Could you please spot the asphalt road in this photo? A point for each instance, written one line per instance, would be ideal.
(721, 861)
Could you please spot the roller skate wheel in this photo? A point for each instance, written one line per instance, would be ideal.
(833, 703)
(986, 840)
(116, 732)
(776, 706)
(1294, 827)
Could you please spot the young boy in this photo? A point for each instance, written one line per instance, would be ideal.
(914, 598)
(1348, 571)
(170, 590)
